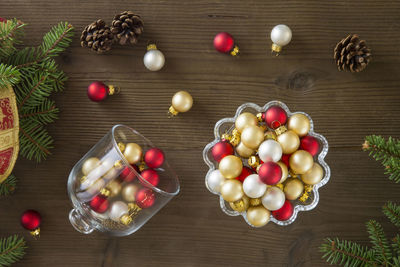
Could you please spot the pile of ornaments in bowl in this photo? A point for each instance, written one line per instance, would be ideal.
(267, 166)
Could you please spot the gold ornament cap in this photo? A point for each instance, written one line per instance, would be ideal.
(276, 49)
(105, 192)
(253, 161)
(235, 51)
(260, 116)
(121, 146)
(280, 130)
(113, 90)
(126, 219)
(151, 46)
(255, 201)
(172, 112)
(270, 135)
(35, 233)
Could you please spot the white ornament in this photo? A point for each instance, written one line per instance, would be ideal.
(215, 180)
(253, 187)
(281, 35)
(270, 150)
(118, 209)
(153, 59)
(273, 199)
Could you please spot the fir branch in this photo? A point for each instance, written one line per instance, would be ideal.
(12, 249)
(43, 114)
(8, 185)
(380, 242)
(9, 75)
(396, 244)
(392, 211)
(35, 141)
(10, 32)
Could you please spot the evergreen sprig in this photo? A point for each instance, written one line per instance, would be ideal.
(10, 33)
(8, 186)
(12, 249)
(392, 211)
(9, 75)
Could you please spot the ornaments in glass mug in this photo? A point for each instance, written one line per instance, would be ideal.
(97, 91)
(281, 35)
(224, 43)
(182, 101)
(154, 59)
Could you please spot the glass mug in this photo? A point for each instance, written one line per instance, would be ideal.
(103, 197)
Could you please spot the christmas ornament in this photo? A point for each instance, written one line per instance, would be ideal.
(119, 212)
(224, 43)
(301, 162)
(182, 101)
(98, 91)
(285, 212)
(129, 192)
(244, 151)
(99, 204)
(293, 189)
(231, 190)
(215, 180)
(258, 216)
(127, 27)
(97, 36)
(352, 54)
(300, 124)
(310, 144)
(154, 59)
(270, 173)
(255, 202)
(246, 171)
(127, 175)
(154, 158)
(96, 187)
(270, 150)
(275, 116)
(150, 176)
(281, 35)
(252, 136)
(270, 135)
(133, 153)
(245, 119)
(313, 176)
(89, 165)
(253, 187)
(240, 205)
(230, 166)
(221, 150)
(31, 221)
(112, 189)
(289, 141)
(285, 171)
(273, 199)
(145, 198)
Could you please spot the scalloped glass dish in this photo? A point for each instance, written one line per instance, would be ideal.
(227, 124)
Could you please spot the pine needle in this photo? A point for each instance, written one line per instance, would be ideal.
(12, 249)
(8, 185)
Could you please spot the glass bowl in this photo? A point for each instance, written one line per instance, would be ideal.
(226, 125)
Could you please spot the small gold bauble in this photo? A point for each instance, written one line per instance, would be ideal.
(314, 175)
(255, 201)
(258, 216)
(293, 188)
(285, 171)
(230, 166)
(182, 101)
(289, 141)
(129, 192)
(231, 190)
(244, 151)
(114, 187)
(133, 153)
(245, 119)
(299, 123)
(252, 136)
(301, 162)
(241, 204)
(269, 135)
(89, 165)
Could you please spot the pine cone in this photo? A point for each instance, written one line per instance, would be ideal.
(352, 54)
(97, 36)
(127, 27)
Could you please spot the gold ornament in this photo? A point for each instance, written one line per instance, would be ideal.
(255, 202)
(230, 166)
(231, 190)
(254, 161)
(244, 151)
(313, 176)
(121, 147)
(241, 204)
(129, 192)
(270, 135)
(235, 137)
(258, 216)
(133, 153)
(299, 123)
(245, 119)
(293, 189)
(182, 101)
(289, 141)
(285, 171)
(89, 165)
(114, 187)
(301, 162)
(252, 136)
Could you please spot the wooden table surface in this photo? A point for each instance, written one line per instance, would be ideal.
(192, 230)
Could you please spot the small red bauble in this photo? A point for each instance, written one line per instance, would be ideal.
(98, 91)
(154, 157)
(99, 204)
(310, 144)
(3, 19)
(150, 176)
(221, 150)
(275, 116)
(285, 159)
(285, 212)
(127, 175)
(246, 171)
(270, 173)
(223, 42)
(31, 221)
(145, 198)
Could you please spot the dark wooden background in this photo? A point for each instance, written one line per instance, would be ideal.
(192, 230)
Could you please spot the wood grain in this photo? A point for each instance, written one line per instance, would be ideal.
(191, 230)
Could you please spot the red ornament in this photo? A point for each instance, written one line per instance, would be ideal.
(150, 176)
(224, 43)
(270, 173)
(221, 150)
(154, 157)
(310, 144)
(246, 171)
(128, 175)
(285, 159)
(98, 91)
(285, 212)
(31, 221)
(275, 116)
(99, 204)
(3, 19)
(145, 198)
